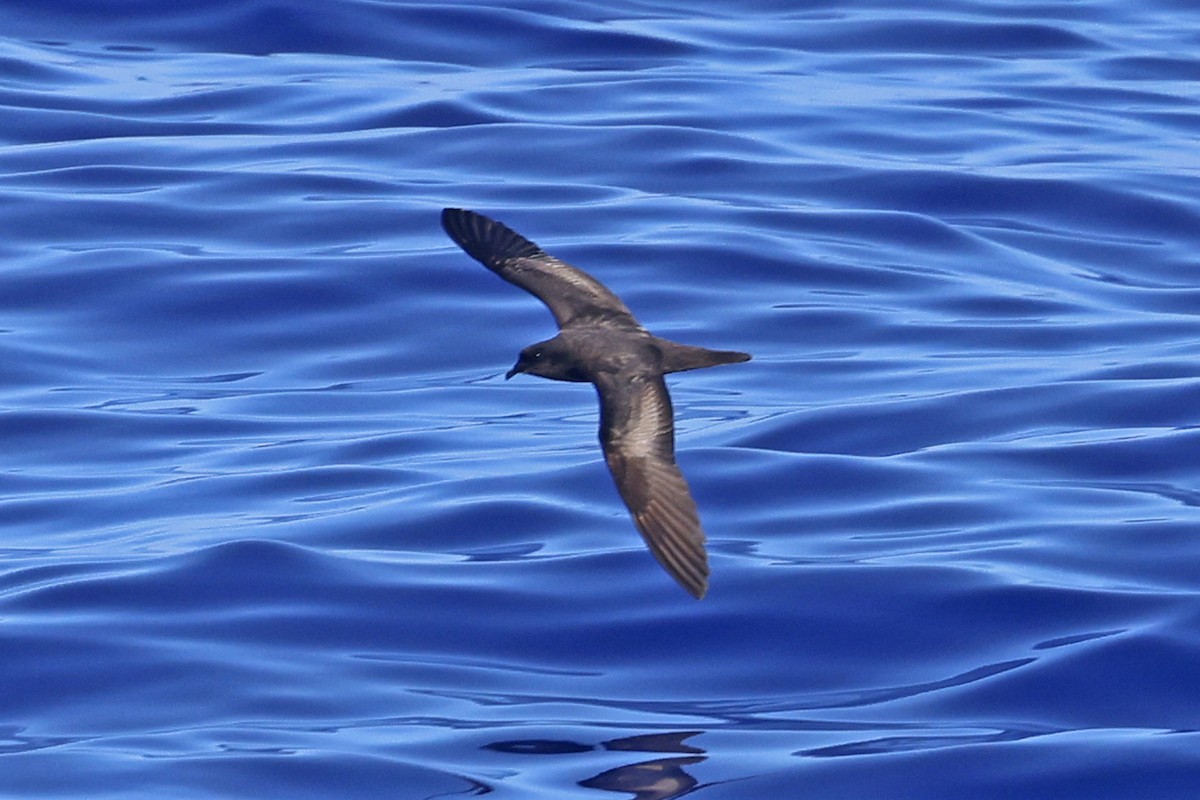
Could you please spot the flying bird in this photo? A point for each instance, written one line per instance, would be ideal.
(600, 342)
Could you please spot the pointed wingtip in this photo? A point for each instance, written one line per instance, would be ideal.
(678, 546)
(697, 588)
(489, 242)
(458, 222)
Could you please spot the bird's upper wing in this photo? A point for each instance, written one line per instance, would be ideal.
(571, 294)
(637, 431)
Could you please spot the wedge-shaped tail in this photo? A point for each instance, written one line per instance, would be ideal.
(682, 357)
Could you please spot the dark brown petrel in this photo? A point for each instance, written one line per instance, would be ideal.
(600, 342)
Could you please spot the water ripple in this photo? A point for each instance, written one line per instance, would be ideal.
(271, 520)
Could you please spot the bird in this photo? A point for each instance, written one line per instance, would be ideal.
(600, 342)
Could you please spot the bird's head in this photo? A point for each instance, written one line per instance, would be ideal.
(549, 359)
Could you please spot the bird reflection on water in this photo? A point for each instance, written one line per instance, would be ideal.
(657, 779)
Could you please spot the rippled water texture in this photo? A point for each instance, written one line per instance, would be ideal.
(272, 524)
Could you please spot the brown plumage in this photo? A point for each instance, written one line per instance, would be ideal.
(600, 342)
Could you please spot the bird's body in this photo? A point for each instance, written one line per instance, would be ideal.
(600, 342)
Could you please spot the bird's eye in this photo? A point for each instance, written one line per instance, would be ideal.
(537, 353)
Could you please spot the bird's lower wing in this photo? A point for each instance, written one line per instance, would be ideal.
(637, 433)
(666, 516)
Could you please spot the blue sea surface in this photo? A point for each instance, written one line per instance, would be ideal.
(272, 523)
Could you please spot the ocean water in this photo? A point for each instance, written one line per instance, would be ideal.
(272, 523)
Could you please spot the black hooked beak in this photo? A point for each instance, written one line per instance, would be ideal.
(516, 368)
